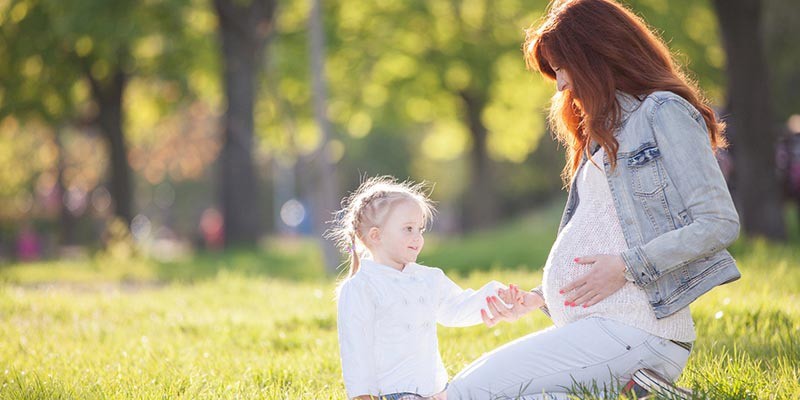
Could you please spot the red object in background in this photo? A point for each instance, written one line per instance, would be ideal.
(211, 226)
(28, 245)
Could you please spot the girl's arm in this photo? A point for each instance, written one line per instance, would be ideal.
(356, 326)
(685, 146)
(460, 307)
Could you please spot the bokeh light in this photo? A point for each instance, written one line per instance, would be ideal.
(293, 213)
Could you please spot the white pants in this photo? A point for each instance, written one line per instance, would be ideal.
(593, 352)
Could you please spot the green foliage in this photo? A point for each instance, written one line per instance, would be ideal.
(53, 50)
(691, 31)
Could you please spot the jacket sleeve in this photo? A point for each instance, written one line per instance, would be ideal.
(462, 307)
(356, 320)
(689, 160)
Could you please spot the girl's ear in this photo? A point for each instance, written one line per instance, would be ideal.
(374, 234)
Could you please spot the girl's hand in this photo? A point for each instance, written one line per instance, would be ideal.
(522, 302)
(606, 277)
(512, 295)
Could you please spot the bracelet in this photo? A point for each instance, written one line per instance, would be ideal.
(543, 307)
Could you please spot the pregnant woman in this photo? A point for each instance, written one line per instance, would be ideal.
(647, 220)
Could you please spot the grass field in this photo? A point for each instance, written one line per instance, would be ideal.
(262, 324)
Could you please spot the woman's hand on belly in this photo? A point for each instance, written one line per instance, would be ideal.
(605, 278)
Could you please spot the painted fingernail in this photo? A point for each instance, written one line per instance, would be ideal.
(584, 306)
(560, 292)
(576, 259)
(566, 303)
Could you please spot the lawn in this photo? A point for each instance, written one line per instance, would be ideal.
(262, 324)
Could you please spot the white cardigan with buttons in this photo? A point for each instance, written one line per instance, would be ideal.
(387, 327)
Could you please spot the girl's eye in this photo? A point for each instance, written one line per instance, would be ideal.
(409, 229)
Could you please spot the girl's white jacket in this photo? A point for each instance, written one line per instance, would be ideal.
(387, 326)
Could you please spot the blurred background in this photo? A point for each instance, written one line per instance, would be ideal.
(163, 128)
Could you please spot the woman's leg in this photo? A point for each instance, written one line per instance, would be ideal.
(596, 353)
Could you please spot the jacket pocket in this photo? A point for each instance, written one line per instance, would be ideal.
(648, 176)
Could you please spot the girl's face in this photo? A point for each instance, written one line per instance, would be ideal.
(563, 81)
(399, 240)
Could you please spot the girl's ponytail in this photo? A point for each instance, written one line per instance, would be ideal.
(355, 261)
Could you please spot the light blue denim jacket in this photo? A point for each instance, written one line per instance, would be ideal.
(676, 213)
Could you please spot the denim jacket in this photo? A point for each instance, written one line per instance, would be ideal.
(672, 201)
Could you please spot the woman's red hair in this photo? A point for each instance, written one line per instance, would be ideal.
(604, 48)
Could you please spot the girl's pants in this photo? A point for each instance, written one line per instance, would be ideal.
(593, 355)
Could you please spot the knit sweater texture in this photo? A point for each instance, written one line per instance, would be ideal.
(595, 229)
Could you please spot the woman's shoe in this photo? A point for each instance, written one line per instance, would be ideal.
(646, 382)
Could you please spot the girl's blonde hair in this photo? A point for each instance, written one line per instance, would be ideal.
(368, 207)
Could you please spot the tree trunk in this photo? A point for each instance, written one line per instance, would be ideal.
(323, 189)
(244, 28)
(480, 202)
(108, 96)
(67, 221)
(751, 120)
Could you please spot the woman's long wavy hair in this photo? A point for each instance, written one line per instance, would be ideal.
(604, 48)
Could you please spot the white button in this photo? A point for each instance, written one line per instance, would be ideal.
(405, 301)
(421, 300)
(408, 327)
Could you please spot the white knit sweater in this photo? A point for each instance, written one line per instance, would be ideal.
(595, 229)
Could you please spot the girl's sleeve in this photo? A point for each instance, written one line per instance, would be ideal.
(460, 307)
(355, 320)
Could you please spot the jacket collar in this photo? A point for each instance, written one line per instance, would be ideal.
(628, 104)
(371, 266)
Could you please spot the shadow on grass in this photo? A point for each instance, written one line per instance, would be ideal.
(291, 259)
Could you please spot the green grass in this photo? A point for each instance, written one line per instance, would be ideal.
(263, 325)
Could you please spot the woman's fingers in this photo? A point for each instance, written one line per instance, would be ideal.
(511, 295)
(586, 259)
(596, 299)
(583, 299)
(488, 321)
(498, 310)
(576, 289)
(573, 285)
(506, 295)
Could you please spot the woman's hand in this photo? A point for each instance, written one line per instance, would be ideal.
(522, 302)
(606, 277)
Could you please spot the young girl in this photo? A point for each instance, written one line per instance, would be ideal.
(388, 306)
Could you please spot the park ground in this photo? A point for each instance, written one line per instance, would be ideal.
(262, 323)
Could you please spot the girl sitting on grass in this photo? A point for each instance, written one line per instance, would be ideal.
(388, 306)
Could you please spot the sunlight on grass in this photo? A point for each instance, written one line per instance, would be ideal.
(262, 324)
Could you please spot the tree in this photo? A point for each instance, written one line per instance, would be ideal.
(751, 118)
(244, 27)
(79, 56)
(323, 189)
